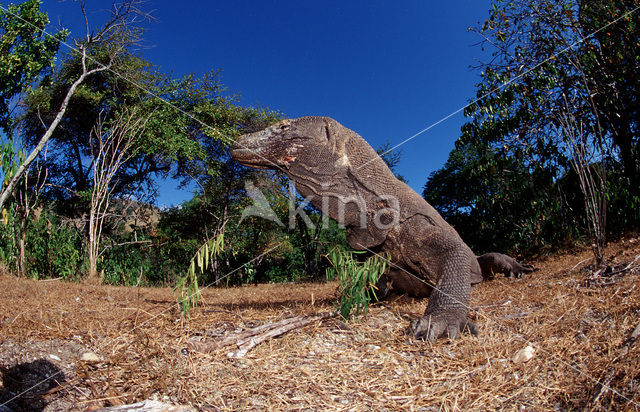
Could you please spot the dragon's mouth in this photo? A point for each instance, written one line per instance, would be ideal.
(249, 157)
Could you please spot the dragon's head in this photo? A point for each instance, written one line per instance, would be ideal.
(334, 168)
(288, 141)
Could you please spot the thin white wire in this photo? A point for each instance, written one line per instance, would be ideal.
(553, 56)
(141, 87)
(517, 335)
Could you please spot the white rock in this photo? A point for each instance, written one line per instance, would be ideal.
(524, 355)
(54, 357)
(90, 357)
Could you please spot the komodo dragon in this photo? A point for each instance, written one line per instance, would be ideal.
(492, 263)
(340, 174)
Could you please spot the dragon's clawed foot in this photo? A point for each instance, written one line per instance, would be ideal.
(430, 327)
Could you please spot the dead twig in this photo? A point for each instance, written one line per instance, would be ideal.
(148, 406)
(604, 386)
(248, 339)
(631, 339)
(578, 264)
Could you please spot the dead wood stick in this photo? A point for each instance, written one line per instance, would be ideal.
(633, 261)
(250, 338)
(636, 332)
(632, 338)
(604, 387)
(234, 337)
(148, 406)
(578, 264)
(245, 346)
(627, 343)
(239, 338)
(626, 268)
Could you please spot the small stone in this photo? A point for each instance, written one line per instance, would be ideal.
(90, 357)
(524, 355)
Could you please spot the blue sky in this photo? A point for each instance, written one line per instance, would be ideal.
(384, 69)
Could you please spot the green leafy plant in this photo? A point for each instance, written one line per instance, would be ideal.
(357, 280)
(10, 158)
(53, 248)
(188, 285)
(126, 264)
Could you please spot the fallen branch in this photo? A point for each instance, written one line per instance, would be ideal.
(248, 339)
(604, 386)
(578, 264)
(148, 406)
(606, 276)
(631, 339)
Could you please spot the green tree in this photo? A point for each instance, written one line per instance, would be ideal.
(611, 59)
(391, 157)
(132, 83)
(26, 52)
(540, 113)
(496, 203)
(26, 55)
(96, 52)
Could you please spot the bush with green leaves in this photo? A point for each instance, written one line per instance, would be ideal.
(555, 69)
(124, 263)
(53, 248)
(357, 280)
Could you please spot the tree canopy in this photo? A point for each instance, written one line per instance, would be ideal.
(26, 52)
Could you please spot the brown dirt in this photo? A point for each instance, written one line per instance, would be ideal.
(579, 325)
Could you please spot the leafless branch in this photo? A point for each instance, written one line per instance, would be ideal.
(110, 148)
(248, 339)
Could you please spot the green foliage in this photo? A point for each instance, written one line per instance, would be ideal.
(26, 52)
(170, 134)
(496, 203)
(26, 55)
(128, 265)
(509, 184)
(610, 60)
(191, 122)
(8, 238)
(188, 285)
(52, 246)
(53, 249)
(357, 280)
(391, 157)
(10, 158)
(277, 254)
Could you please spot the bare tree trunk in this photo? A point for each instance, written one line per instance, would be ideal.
(110, 149)
(47, 135)
(587, 160)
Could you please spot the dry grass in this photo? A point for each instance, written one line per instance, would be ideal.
(578, 326)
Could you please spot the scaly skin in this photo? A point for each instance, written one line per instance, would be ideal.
(492, 263)
(343, 176)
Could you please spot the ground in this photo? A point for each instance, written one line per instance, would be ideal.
(579, 325)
